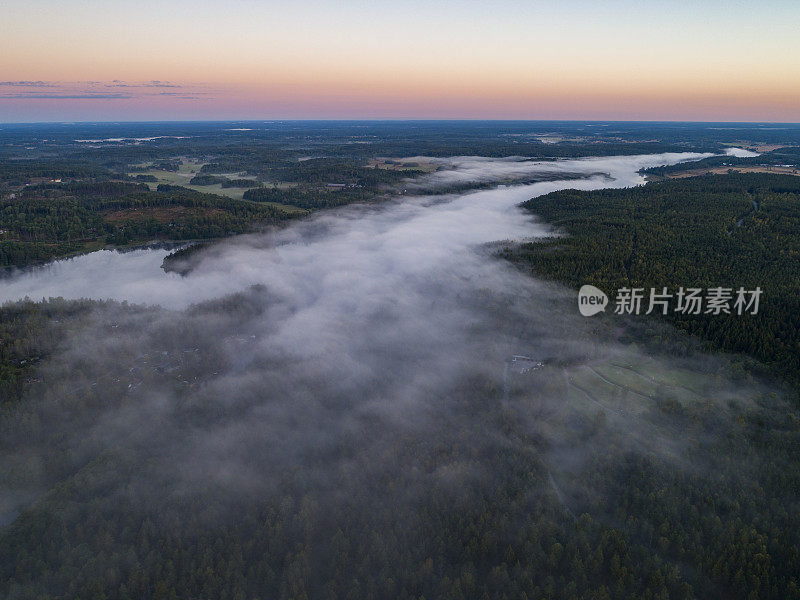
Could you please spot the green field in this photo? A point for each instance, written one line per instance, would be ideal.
(633, 386)
(189, 168)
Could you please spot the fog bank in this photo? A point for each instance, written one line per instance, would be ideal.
(319, 354)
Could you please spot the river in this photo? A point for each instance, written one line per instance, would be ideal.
(346, 249)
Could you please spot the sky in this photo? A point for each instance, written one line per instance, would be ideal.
(90, 60)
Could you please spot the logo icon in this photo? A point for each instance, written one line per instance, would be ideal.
(591, 300)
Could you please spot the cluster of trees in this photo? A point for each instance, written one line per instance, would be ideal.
(29, 333)
(320, 183)
(178, 261)
(337, 170)
(52, 220)
(249, 158)
(168, 165)
(189, 215)
(19, 172)
(207, 180)
(241, 183)
(225, 182)
(311, 172)
(739, 230)
(309, 198)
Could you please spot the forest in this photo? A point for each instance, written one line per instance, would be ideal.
(301, 166)
(46, 221)
(157, 454)
(718, 230)
(458, 505)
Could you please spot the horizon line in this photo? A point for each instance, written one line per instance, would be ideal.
(393, 120)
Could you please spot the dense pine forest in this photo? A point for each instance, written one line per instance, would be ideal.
(737, 230)
(50, 220)
(473, 500)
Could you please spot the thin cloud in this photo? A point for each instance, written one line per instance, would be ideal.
(162, 84)
(147, 84)
(44, 96)
(38, 96)
(27, 83)
(187, 96)
(116, 89)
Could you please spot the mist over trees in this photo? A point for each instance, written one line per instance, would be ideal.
(366, 402)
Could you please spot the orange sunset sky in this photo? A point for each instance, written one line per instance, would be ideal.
(246, 59)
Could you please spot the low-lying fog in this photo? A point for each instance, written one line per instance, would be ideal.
(356, 333)
(367, 255)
